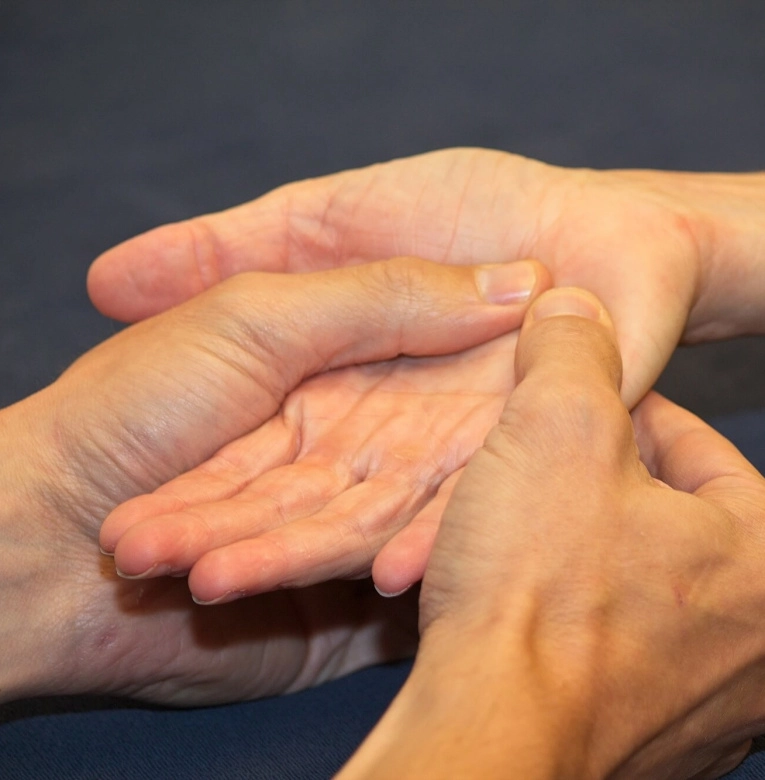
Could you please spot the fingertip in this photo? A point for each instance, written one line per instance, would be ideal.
(155, 570)
(211, 583)
(111, 288)
(387, 595)
(223, 599)
(136, 556)
(392, 574)
(113, 527)
(123, 517)
(558, 338)
(145, 275)
(401, 562)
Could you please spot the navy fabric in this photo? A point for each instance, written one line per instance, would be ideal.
(116, 117)
(304, 736)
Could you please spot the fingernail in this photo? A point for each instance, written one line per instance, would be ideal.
(392, 595)
(229, 595)
(157, 570)
(566, 301)
(506, 282)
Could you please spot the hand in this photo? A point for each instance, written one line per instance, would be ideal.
(669, 254)
(315, 492)
(657, 248)
(336, 474)
(575, 590)
(157, 399)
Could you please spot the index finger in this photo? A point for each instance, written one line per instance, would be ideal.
(685, 452)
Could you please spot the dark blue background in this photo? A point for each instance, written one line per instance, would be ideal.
(118, 116)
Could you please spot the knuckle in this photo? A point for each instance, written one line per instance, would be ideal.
(404, 293)
(403, 278)
(573, 420)
(205, 251)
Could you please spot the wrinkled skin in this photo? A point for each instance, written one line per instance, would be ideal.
(152, 402)
(594, 576)
(622, 235)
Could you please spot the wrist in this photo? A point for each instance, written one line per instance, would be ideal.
(36, 659)
(56, 586)
(479, 704)
(724, 214)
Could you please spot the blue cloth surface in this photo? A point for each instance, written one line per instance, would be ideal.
(306, 736)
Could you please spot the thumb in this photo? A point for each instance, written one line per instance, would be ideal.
(297, 325)
(186, 382)
(535, 490)
(565, 417)
(568, 337)
(566, 413)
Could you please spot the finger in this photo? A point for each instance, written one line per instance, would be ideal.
(568, 333)
(380, 310)
(564, 448)
(417, 206)
(172, 543)
(402, 561)
(223, 476)
(157, 270)
(154, 271)
(220, 365)
(684, 452)
(567, 402)
(338, 542)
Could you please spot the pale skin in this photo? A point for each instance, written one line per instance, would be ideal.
(522, 639)
(673, 256)
(529, 630)
(162, 397)
(586, 616)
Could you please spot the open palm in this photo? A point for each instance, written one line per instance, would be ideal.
(358, 477)
(155, 400)
(353, 455)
